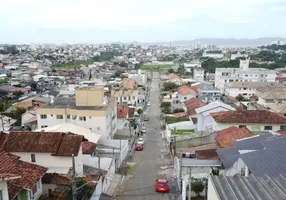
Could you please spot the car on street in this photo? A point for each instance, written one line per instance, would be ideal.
(140, 141)
(143, 129)
(148, 104)
(162, 185)
(146, 118)
(139, 147)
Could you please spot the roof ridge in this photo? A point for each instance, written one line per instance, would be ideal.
(59, 144)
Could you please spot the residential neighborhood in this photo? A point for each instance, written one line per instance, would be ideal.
(123, 121)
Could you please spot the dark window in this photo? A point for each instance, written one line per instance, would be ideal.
(33, 158)
(268, 128)
(241, 126)
(68, 116)
(42, 117)
(60, 117)
(283, 127)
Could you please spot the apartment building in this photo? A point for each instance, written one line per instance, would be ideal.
(89, 109)
(199, 73)
(208, 92)
(247, 89)
(126, 93)
(225, 76)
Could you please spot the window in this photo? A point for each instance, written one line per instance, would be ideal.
(74, 117)
(43, 116)
(39, 185)
(124, 98)
(1, 195)
(44, 126)
(283, 127)
(185, 98)
(68, 116)
(33, 158)
(242, 126)
(244, 88)
(268, 128)
(60, 117)
(133, 98)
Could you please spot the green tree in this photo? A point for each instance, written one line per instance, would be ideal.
(181, 70)
(166, 107)
(240, 98)
(4, 105)
(83, 191)
(117, 74)
(169, 86)
(19, 111)
(171, 71)
(215, 171)
(139, 111)
(133, 123)
(197, 186)
(33, 86)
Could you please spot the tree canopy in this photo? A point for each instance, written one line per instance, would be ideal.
(169, 86)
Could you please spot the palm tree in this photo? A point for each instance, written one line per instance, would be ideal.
(4, 105)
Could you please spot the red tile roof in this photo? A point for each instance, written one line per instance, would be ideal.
(193, 104)
(181, 114)
(249, 116)
(183, 90)
(56, 143)
(29, 174)
(131, 112)
(88, 147)
(282, 132)
(195, 120)
(226, 137)
(207, 154)
(122, 111)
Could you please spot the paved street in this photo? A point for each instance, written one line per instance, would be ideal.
(141, 183)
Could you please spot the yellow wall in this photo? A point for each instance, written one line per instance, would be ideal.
(89, 96)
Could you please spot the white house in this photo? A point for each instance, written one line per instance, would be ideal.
(205, 120)
(199, 73)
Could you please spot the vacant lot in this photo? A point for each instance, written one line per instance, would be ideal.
(156, 67)
(172, 120)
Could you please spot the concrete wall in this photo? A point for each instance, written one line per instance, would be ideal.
(197, 141)
(212, 194)
(4, 190)
(235, 169)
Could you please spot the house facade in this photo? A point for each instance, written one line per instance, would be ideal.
(208, 93)
(90, 109)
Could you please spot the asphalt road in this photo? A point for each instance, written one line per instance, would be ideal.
(141, 183)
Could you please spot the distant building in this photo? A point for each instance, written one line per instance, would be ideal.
(208, 92)
(224, 76)
(198, 73)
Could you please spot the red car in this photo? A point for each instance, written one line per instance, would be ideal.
(139, 147)
(162, 185)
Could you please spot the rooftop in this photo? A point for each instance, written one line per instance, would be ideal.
(193, 104)
(249, 116)
(56, 143)
(253, 84)
(184, 90)
(272, 93)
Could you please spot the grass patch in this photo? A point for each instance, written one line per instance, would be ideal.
(182, 132)
(172, 120)
(129, 169)
(155, 67)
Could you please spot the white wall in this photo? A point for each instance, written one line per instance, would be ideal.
(4, 190)
(212, 195)
(49, 161)
(235, 169)
(98, 190)
(99, 125)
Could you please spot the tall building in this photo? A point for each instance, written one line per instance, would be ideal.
(242, 74)
(89, 109)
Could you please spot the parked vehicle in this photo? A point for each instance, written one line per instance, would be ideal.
(140, 141)
(139, 147)
(148, 104)
(162, 185)
(143, 129)
(146, 118)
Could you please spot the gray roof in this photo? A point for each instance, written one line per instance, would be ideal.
(250, 188)
(203, 163)
(228, 156)
(270, 160)
(70, 103)
(252, 143)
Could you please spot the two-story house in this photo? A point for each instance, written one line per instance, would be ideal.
(254, 120)
(271, 95)
(205, 120)
(89, 109)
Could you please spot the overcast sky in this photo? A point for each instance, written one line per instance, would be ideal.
(94, 21)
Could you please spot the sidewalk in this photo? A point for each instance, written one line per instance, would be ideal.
(116, 181)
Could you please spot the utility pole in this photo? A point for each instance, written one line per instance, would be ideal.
(190, 184)
(175, 148)
(73, 178)
(98, 155)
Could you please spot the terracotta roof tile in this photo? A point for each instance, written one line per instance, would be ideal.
(282, 132)
(122, 111)
(183, 90)
(195, 120)
(193, 104)
(29, 173)
(207, 154)
(226, 137)
(56, 143)
(88, 147)
(128, 83)
(249, 116)
(181, 114)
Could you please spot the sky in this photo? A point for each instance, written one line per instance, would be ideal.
(98, 21)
